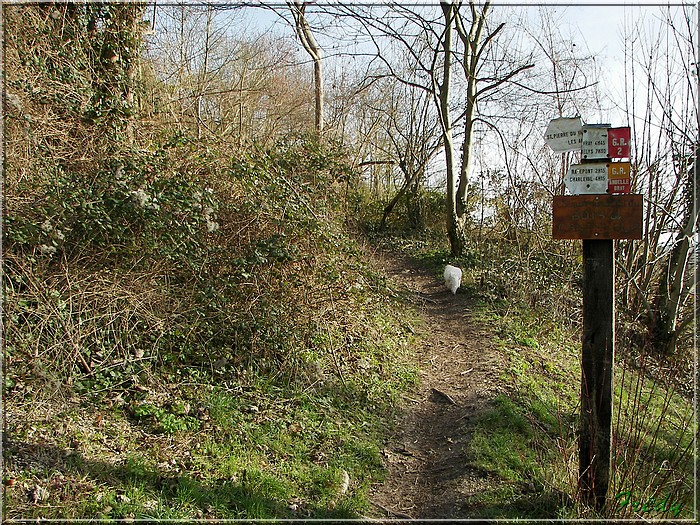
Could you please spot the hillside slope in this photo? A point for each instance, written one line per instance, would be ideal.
(203, 338)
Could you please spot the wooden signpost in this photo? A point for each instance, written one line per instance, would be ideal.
(597, 213)
(597, 357)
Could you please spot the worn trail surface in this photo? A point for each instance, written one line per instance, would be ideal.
(427, 459)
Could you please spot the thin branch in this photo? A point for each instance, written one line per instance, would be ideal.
(502, 80)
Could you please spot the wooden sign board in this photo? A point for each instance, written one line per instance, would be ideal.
(597, 217)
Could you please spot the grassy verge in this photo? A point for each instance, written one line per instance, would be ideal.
(248, 450)
(529, 428)
(531, 436)
(235, 444)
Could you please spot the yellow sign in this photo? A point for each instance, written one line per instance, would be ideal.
(618, 170)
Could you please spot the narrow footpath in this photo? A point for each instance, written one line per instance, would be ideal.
(429, 473)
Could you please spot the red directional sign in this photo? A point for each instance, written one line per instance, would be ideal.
(619, 186)
(619, 143)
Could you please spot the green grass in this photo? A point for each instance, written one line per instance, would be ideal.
(502, 442)
(529, 438)
(261, 450)
(654, 448)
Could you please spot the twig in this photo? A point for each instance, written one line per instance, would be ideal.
(391, 512)
(303, 201)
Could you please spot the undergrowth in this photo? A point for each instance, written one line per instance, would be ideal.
(652, 441)
(190, 328)
(234, 281)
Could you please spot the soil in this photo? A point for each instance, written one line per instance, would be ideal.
(430, 474)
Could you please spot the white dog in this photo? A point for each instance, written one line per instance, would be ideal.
(453, 278)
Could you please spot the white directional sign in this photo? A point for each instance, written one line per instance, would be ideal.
(564, 134)
(583, 179)
(595, 142)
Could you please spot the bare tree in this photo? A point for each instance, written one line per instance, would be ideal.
(412, 134)
(309, 43)
(243, 86)
(665, 120)
(460, 37)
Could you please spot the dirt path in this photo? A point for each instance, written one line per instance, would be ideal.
(429, 472)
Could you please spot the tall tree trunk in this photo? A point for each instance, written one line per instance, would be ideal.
(472, 54)
(455, 231)
(459, 186)
(116, 62)
(308, 41)
(319, 120)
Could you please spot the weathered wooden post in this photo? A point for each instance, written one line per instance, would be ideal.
(599, 211)
(597, 369)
